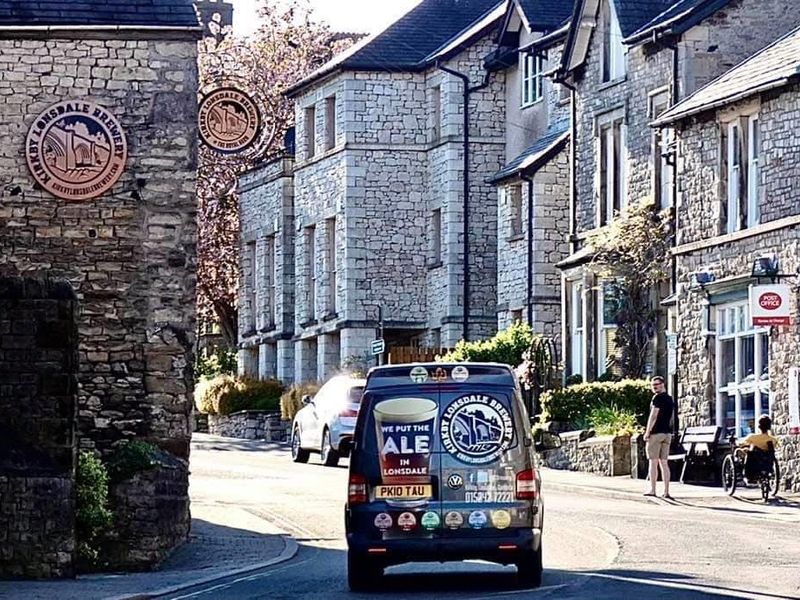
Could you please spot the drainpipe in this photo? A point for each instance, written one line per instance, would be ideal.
(529, 297)
(467, 92)
(573, 192)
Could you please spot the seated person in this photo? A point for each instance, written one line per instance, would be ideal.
(756, 448)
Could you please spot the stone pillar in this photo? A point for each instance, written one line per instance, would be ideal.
(267, 361)
(305, 361)
(451, 333)
(355, 347)
(285, 361)
(328, 357)
(248, 362)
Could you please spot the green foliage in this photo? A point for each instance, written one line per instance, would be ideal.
(292, 399)
(221, 362)
(250, 394)
(131, 458)
(610, 420)
(506, 347)
(575, 404)
(92, 516)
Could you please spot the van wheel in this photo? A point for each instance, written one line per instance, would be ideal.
(363, 574)
(298, 454)
(530, 568)
(329, 456)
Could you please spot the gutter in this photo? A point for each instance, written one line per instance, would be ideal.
(548, 39)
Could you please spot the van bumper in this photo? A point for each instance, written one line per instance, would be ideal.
(394, 552)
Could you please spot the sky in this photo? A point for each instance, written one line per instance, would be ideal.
(365, 16)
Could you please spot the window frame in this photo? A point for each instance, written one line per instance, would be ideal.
(436, 113)
(435, 244)
(310, 124)
(330, 122)
(611, 176)
(311, 274)
(515, 206)
(663, 153)
(532, 80)
(576, 334)
(615, 53)
(331, 266)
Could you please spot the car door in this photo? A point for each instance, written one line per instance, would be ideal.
(312, 433)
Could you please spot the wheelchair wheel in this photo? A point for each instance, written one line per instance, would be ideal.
(775, 479)
(729, 475)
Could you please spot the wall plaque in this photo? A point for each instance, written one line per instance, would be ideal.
(76, 150)
(229, 120)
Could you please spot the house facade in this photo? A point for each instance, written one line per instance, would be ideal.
(628, 63)
(739, 218)
(379, 200)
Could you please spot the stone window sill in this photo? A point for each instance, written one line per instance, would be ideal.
(610, 84)
(308, 323)
(517, 237)
(434, 265)
(267, 328)
(329, 316)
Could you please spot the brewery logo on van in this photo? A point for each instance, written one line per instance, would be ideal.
(476, 429)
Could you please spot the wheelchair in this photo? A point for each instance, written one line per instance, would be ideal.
(751, 468)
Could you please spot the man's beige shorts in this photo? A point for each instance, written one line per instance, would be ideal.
(658, 445)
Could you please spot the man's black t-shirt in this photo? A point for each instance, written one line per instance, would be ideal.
(663, 402)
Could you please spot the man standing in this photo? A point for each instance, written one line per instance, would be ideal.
(658, 435)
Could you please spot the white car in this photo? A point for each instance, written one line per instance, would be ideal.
(327, 420)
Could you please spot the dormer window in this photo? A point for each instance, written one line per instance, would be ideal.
(532, 68)
(613, 48)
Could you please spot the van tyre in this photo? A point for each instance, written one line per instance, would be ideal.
(363, 574)
(530, 568)
(329, 456)
(298, 454)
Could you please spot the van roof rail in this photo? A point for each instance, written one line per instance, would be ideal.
(439, 373)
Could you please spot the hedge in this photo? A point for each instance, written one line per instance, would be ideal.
(224, 395)
(506, 347)
(575, 403)
(292, 399)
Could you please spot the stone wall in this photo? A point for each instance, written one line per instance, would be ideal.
(38, 388)
(581, 451)
(130, 254)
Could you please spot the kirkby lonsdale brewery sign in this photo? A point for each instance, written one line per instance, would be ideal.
(76, 150)
(229, 120)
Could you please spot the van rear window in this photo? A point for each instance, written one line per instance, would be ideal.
(355, 395)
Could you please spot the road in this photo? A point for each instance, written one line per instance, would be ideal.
(594, 547)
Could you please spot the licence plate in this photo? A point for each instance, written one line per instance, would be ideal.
(404, 491)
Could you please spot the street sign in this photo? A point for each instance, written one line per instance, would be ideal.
(378, 346)
(770, 305)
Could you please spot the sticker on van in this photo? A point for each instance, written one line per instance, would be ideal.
(476, 429)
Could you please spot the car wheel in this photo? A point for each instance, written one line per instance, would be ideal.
(530, 568)
(298, 454)
(329, 456)
(363, 574)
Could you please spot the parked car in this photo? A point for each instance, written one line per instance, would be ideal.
(326, 423)
(443, 468)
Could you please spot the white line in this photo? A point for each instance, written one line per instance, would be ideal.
(682, 586)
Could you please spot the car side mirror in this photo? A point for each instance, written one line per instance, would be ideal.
(545, 440)
(307, 399)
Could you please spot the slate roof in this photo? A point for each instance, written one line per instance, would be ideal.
(632, 14)
(774, 66)
(148, 13)
(533, 156)
(405, 44)
(678, 17)
(544, 15)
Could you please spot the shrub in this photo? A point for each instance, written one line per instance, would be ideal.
(131, 458)
(292, 399)
(506, 347)
(575, 403)
(208, 392)
(92, 516)
(610, 420)
(250, 394)
(220, 362)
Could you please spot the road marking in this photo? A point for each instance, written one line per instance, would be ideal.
(544, 588)
(727, 593)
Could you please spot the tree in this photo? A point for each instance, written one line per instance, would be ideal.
(289, 45)
(632, 256)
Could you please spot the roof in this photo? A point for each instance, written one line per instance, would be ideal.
(536, 154)
(677, 18)
(86, 13)
(545, 15)
(632, 14)
(774, 66)
(468, 35)
(407, 44)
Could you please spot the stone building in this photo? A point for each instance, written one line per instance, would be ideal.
(533, 186)
(738, 202)
(378, 200)
(629, 62)
(97, 178)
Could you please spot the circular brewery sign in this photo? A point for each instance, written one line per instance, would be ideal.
(76, 150)
(229, 120)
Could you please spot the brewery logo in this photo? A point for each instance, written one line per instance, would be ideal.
(453, 520)
(383, 521)
(407, 521)
(477, 519)
(229, 120)
(431, 520)
(476, 429)
(460, 373)
(76, 150)
(455, 481)
(501, 519)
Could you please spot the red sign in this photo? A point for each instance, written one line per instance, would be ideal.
(769, 305)
(770, 301)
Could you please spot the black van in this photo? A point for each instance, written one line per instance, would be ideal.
(443, 468)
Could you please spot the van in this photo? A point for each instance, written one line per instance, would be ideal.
(443, 468)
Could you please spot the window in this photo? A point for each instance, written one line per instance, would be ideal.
(742, 367)
(576, 328)
(516, 316)
(608, 307)
(514, 195)
(330, 260)
(663, 154)
(532, 81)
(310, 123)
(269, 282)
(330, 122)
(741, 150)
(611, 169)
(311, 273)
(250, 284)
(435, 242)
(436, 113)
(613, 48)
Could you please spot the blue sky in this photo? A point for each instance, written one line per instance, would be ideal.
(365, 16)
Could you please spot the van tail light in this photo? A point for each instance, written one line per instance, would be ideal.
(357, 489)
(526, 485)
